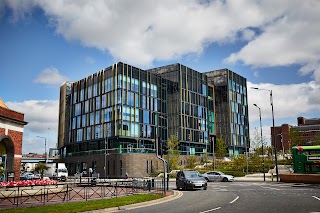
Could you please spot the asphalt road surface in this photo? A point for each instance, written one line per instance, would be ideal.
(248, 197)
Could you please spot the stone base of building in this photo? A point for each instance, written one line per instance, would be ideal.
(117, 165)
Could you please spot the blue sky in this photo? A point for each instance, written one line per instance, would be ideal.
(275, 45)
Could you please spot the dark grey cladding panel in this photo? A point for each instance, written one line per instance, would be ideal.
(165, 69)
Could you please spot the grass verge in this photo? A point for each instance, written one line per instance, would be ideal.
(86, 205)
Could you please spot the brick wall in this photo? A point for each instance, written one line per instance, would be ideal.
(300, 178)
(11, 114)
(2, 131)
(16, 138)
(14, 150)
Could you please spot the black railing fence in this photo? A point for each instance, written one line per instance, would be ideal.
(75, 191)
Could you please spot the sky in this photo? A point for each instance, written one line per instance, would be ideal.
(274, 44)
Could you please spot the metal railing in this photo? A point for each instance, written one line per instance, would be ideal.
(113, 151)
(70, 192)
(128, 150)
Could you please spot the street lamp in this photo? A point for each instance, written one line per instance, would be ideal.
(281, 140)
(274, 136)
(45, 147)
(105, 153)
(264, 175)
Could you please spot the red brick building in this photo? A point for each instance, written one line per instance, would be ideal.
(308, 130)
(11, 133)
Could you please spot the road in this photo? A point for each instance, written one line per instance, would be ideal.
(248, 197)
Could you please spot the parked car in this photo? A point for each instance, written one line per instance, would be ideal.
(217, 176)
(37, 176)
(26, 176)
(190, 180)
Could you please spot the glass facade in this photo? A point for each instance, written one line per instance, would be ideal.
(187, 107)
(125, 104)
(231, 109)
(125, 109)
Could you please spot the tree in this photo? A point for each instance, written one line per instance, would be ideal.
(173, 153)
(255, 143)
(1, 170)
(191, 160)
(41, 168)
(220, 147)
(296, 137)
(316, 140)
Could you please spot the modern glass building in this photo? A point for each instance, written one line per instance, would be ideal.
(187, 107)
(110, 120)
(231, 109)
(121, 109)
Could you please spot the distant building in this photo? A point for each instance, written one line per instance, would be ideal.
(11, 132)
(30, 161)
(307, 132)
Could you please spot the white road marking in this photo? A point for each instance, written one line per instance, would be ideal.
(316, 197)
(271, 188)
(235, 200)
(210, 210)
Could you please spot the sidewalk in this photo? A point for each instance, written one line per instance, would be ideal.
(255, 178)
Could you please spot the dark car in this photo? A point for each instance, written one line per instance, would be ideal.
(190, 180)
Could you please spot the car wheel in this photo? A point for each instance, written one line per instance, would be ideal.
(185, 187)
(225, 179)
(205, 188)
(207, 179)
(177, 186)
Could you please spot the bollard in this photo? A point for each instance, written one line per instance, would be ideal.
(94, 182)
(149, 185)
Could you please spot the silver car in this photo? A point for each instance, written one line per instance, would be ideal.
(217, 176)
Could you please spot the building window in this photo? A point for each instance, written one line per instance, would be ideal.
(79, 135)
(147, 167)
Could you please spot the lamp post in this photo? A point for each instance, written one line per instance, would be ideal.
(45, 147)
(264, 175)
(105, 153)
(274, 136)
(281, 140)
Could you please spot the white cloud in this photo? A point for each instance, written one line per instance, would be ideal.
(289, 39)
(292, 100)
(50, 75)
(40, 115)
(139, 32)
(256, 74)
(248, 34)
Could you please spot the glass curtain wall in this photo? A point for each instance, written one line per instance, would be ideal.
(122, 103)
(194, 112)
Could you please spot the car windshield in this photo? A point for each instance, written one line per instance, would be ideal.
(62, 170)
(192, 174)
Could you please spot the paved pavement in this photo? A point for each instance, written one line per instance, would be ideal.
(256, 178)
